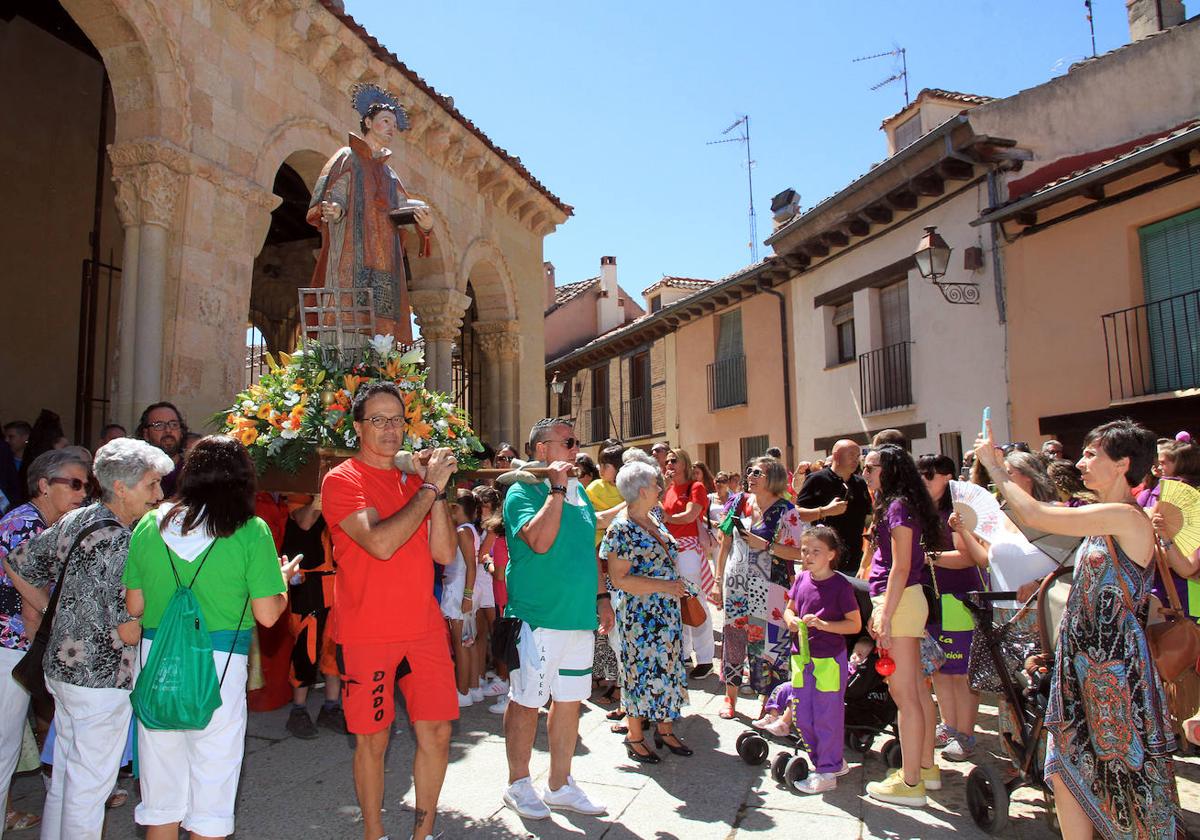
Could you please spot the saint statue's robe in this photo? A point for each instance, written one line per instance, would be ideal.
(364, 249)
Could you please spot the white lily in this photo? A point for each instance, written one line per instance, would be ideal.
(383, 344)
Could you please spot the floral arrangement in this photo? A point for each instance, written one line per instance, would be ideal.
(303, 401)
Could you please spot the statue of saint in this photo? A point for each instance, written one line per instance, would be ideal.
(356, 205)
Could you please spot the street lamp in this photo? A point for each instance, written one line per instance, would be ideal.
(557, 385)
(932, 255)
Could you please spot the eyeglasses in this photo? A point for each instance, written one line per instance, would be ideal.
(671, 461)
(755, 473)
(869, 468)
(381, 422)
(74, 483)
(163, 425)
(569, 443)
(503, 459)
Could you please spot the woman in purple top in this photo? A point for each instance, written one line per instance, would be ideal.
(958, 569)
(906, 527)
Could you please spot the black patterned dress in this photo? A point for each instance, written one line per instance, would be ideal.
(1110, 739)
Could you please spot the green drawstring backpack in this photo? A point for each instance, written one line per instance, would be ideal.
(178, 687)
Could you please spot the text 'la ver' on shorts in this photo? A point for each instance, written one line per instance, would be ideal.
(370, 673)
(555, 664)
(908, 622)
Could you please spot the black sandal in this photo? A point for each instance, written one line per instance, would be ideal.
(682, 748)
(615, 714)
(649, 757)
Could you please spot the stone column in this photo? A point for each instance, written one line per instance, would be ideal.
(158, 189)
(510, 394)
(439, 315)
(122, 409)
(500, 342)
(489, 345)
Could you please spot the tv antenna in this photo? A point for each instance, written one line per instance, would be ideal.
(900, 75)
(1087, 4)
(743, 136)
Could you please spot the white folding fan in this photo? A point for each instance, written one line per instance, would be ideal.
(978, 509)
(1179, 504)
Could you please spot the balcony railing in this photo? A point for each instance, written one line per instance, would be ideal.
(727, 383)
(636, 414)
(1153, 348)
(885, 378)
(593, 425)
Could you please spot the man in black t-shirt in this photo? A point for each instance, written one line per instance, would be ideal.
(836, 497)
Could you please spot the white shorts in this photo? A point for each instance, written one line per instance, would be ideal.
(555, 664)
(192, 777)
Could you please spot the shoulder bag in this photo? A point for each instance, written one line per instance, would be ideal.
(690, 609)
(30, 672)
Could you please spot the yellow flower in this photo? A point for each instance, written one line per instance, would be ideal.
(264, 411)
(247, 435)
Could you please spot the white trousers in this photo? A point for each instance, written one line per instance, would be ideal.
(191, 777)
(697, 640)
(91, 726)
(14, 710)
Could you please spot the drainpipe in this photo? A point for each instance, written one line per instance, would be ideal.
(785, 357)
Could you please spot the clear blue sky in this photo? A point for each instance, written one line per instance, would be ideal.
(610, 104)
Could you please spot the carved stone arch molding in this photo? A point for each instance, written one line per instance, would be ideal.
(437, 271)
(485, 268)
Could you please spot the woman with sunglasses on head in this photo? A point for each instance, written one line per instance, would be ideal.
(906, 527)
(683, 504)
(754, 590)
(957, 569)
(1109, 753)
(57, 484)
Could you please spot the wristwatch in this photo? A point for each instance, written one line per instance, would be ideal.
(558, 488)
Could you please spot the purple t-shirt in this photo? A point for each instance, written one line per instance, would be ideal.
(953, 581)
(831, 599)
(897, 515)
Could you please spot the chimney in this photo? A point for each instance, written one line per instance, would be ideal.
(1147, 17)
(784, 207)
(548, 267)
(609, 314)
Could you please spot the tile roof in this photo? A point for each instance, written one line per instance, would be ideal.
(570, 291)
(688, 283)
(940, 93)
(337, 9)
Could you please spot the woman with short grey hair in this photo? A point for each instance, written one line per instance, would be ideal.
(642, 558)
(89, 656)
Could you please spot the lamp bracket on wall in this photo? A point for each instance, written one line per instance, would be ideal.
(959, 293)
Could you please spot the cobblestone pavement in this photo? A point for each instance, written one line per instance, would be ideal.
(303, 789)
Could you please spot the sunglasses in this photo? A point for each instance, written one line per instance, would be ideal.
(503, 459)
(569, 443)
(671, 461)
(74, 483)
(755, 473)
(869, 468)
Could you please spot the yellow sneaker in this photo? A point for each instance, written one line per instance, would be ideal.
(893, 790)
(931, 777)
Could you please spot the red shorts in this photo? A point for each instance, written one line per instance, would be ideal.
(422, 668)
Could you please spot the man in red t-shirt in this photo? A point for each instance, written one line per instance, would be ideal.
(386, 526)
(684, 503)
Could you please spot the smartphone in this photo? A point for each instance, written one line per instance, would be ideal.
(987, 415)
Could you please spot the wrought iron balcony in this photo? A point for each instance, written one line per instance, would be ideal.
(727, 383)
(1153, 348)
(636, 418)
(593, 425)
(885, 378)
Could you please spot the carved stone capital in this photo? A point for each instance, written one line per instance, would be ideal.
(159, 188)
(499, 339)
(128, 209)
(439, 312)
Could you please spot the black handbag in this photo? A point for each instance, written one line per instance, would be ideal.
(1015, 642)
(30, 672)
(505, 635)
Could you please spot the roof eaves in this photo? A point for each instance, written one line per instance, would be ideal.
(879, 171)
(1108, 170)
(381, 52)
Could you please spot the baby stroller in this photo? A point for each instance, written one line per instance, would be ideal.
(1027, 691)
(869, 712)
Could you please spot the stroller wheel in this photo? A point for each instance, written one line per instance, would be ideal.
(753, 749)
(796, 770)
(892, 755)
(859, 742)
(779, 765)
(987, 799)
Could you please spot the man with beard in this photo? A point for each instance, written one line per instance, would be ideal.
(162, 426)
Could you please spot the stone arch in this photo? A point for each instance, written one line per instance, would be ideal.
(437, 270)
(302, 140)
(150, 92)
(484, 267)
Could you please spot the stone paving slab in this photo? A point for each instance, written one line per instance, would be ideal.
(295, 789)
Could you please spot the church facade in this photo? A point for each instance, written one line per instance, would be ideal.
(168, 200)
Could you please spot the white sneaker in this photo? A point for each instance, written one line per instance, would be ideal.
(570, 797)
(843, 770)
(522, 798)
(495, 689)
(778, 727)
(465, 700)
(764, 721)
(499, 706)
(476, 694)
(816, 783)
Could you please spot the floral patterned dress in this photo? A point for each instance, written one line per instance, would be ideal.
(1110, 739)
(653, 673)
(18, 525)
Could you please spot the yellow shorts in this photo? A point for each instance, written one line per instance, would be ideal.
(908, 622)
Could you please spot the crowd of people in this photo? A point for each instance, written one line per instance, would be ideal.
(564, 580)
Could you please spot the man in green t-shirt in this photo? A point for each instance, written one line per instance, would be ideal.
(554, 589)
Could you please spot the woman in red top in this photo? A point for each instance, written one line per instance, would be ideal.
(683, 504)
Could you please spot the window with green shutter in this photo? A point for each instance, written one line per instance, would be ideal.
(1170, 252)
